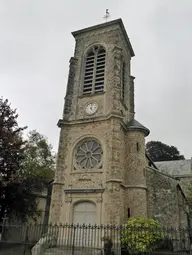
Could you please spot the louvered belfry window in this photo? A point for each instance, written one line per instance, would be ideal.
(94, 71)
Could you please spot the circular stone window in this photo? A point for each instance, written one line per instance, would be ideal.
(88, 154)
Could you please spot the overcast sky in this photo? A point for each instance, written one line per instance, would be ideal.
(36, 45)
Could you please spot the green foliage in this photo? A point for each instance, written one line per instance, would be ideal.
(39, 160)
(141, 235)
(11, 157)
(158, 151)
(26, 167)
(37, 171)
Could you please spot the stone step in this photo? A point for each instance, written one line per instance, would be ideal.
(68, 251)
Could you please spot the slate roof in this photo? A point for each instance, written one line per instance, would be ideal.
(135, 125)
(176, 167)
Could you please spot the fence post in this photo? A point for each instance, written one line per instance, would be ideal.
(73, 244)
(26, 239)
(2, 231)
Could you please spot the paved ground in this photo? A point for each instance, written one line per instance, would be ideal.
(13, 250)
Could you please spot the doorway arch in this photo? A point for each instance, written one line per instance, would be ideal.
(84, 213)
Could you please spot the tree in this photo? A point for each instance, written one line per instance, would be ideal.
(11, 156)
(37, 172)
(26, 167)
(39, 160)
(158, 151)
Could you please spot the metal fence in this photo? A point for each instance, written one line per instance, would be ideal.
(18, 239)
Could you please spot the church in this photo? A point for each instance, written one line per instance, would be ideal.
(103, 175)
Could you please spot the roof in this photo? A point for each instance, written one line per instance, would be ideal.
(107, 24)
(176, 167)
(150, 161)
(135, 125)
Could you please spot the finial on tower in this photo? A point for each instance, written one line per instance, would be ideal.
(107, 15)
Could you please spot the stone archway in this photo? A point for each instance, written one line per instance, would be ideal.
(84, 213)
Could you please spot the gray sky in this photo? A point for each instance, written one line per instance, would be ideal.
(36, 45)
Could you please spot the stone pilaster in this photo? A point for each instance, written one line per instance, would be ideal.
(117, 70)
(116, 150)
(59, 180)
(70, 88)
(114, 192)
(131, 97)
(113, 203)
(56, 203)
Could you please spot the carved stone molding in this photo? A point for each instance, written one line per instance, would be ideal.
(84, 177)
(99, 200)
(114, 180)
(68, 198)
(86, 190)
(133, 186)
(98, 32)
(117, 51)
(113, 188)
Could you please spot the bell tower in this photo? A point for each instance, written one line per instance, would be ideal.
(92, 181)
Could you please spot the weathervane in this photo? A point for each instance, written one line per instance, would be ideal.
(107, 15)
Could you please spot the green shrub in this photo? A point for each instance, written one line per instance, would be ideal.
(141, 235)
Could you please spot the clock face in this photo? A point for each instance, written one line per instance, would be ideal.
(91, 108)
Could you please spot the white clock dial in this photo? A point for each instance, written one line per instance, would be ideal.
(91, 108)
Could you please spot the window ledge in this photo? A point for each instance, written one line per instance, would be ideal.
(92, 95)
(87, 171)
(85, 190)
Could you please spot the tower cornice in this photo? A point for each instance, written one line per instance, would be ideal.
(105, 25)
(62, 122)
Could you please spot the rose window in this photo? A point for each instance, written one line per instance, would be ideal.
(88, 154)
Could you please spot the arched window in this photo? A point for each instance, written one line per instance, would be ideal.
(94, 71)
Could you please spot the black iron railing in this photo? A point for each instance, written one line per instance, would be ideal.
(19, 239)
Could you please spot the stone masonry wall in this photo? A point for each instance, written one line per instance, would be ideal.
(165, 200)
(134, 179)
(104, 126)
(116, 49)
(111, 136)
(114, 176)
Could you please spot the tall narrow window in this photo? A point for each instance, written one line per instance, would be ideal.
(123, 83)
(128, 213)
(138, 147)
(94, 71)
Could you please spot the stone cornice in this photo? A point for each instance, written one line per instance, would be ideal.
(133, 186)
(105, 26)
(58, 183)
(84, 190)
(92, 95)
(62, 122)
(114, 180)
(73, 60)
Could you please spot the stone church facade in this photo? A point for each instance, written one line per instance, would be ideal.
(103, 175)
